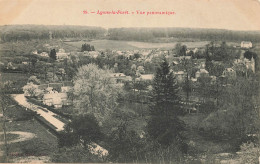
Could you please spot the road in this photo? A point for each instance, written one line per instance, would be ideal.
(49, 116)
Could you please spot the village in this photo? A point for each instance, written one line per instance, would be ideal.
(99, 98)
(54, 93)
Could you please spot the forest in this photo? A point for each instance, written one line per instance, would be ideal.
(29, 32)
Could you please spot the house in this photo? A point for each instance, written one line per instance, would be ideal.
(201, 73)
(246, 44)
(120, 77)
(44, 54)
(25, 63)
(10, 66)
(35, 52)
(56, 99)
(250, 64)
(146, 77)
(180, 75)
(92, 54)
(213, 79)
(229, 72)
(65, 89)
(199, 63)
(61, 54)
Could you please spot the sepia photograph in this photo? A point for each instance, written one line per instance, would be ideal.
(130, 81)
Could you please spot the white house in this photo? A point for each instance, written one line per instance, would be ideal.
(62, 54)
(146, 77)
(56, 99)
(246, 44)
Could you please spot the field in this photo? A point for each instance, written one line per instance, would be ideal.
(130, 45)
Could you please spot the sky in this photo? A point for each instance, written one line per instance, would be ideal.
(220, 14)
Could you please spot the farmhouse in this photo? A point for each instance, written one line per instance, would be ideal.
(245, 44)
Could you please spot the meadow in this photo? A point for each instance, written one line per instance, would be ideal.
(131, 45)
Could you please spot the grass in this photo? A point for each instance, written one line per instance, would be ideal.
(44, 144)
(8, 136)
(104, 44)
(130, 45)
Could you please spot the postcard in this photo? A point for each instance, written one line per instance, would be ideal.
(129, 81)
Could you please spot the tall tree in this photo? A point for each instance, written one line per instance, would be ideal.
(164, 125)
(187, 67)
(53, 54)
(180, 50)
(208, 62)
(95, 91)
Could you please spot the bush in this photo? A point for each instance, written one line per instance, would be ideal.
(207, 107)
(75, 154)
(82, 129)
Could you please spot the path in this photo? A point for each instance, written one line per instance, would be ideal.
(22, 136)
(49, 116)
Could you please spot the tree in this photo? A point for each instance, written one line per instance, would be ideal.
(249, 55)
(95, 91)
(187, 66)
(82, 129)
(75, 154)
(34, 80)
(29, 89)
(217, 70)
(123, 142)
(92, 48)
(238, 114)
(180, 50)
(53, 55)
(208, 62)
(164, 125)
(87, 47)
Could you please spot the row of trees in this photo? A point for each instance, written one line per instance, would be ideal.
(87, 47)
(148, 34)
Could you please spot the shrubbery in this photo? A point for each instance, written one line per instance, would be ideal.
(75, 154)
